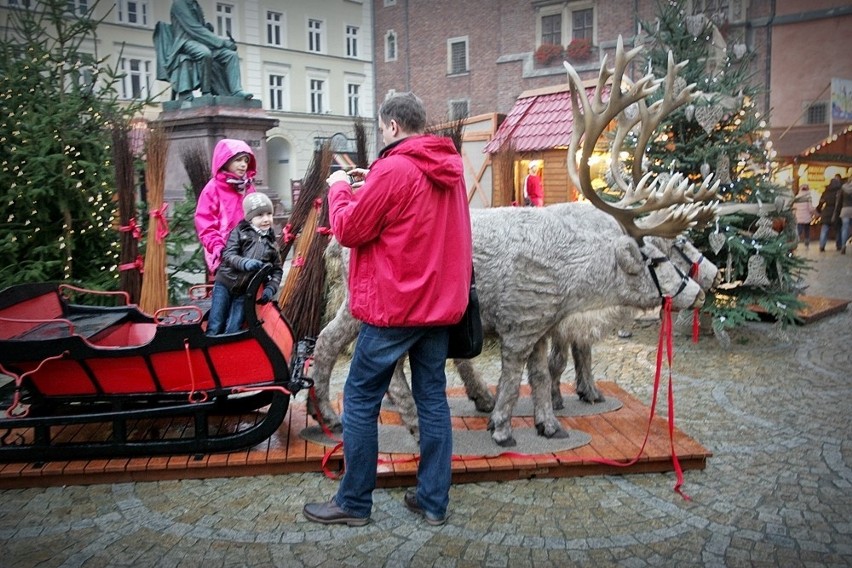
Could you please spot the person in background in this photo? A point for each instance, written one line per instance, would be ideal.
(220, 205)
(250, 246)
(845, 213)
(828, 209)
(533, 191)
(408, 228)
(803, 208)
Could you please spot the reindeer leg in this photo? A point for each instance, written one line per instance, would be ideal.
(399, 393)
(586, 389)
(333, 338)
(546, 422)
(556, 363)
(500, 423)
(477, 390)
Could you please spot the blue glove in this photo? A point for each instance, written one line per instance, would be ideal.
(266, 297)
(251, 264)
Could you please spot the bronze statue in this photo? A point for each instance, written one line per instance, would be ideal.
(191, 57)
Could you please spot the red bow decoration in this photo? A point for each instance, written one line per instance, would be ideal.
(162, 223)
(132, 228)
(288, 234)
(324, 231)
(137, 264)
(298, 261)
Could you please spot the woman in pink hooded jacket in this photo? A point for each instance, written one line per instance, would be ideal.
(220, 206)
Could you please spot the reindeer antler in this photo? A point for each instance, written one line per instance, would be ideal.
(683, 203)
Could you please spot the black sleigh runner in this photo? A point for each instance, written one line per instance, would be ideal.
(125, 373)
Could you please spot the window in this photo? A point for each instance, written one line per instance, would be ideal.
(353, 99)
(459, 109)
(390, 2)
(81, 76)
(317, 96)
(274, 28)
(582, 24)
(78, 7)
(551, 29)
(351, 41)
(224, 20)
(720, 11)
(315, 36)
(817, 112)
(457, 55)
(136, 83)
(278, 92)
(390, 46)
(20, 3)
(133, 12)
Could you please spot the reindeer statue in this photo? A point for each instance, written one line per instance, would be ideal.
(590, 264)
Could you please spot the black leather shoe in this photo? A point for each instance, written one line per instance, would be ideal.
(410, 500)
(331, 514)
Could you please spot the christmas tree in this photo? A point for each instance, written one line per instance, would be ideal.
(723, 134)
(57, 206)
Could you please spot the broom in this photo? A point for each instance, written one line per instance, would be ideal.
(304, 306)
(129, 261)
(301, 227)
(504, 192)
(155, 292)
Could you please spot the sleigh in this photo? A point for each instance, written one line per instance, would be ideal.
(92, 381)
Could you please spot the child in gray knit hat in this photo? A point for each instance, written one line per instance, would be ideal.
(250, 246)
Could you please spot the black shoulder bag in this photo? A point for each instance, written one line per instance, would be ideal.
(466, 336)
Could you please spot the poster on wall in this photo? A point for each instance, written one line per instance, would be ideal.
(841, 100)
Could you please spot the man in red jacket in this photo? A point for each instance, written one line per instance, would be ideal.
(408, 226)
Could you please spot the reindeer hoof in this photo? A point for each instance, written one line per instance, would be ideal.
(483, 405)
(558, 404)
(509, 442)
(558, 433)
(591, 399)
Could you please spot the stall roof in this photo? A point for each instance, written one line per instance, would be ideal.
(540, 120)
(811, 143)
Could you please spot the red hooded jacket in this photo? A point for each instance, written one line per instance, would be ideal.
(409, 230)
(220, 205)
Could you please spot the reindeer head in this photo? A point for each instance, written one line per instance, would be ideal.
(677, 204)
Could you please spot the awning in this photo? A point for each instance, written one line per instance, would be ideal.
(540, 120)
(812, 144)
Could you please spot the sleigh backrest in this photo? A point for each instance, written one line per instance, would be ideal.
(26, 306)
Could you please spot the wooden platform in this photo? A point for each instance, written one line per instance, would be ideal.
(616, 435)
(815, 308)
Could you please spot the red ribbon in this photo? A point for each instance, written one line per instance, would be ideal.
(318, 203)
(137, 264)
(298, 261)
(162, 223)
(324, 231)
(132, 228)
(288, 234)
(695, 325)
(664, 343)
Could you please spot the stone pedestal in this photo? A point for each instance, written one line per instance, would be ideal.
(201, 123)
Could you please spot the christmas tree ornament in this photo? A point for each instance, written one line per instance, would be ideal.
(723, 169)
(695, 24)
(729, 268)
(756, 271)
(764, 228)
(739, 50)
(717, 241)
(689, 112)
(708, 116)
(705, 169)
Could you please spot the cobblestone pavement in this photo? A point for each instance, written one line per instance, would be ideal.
(773, 407)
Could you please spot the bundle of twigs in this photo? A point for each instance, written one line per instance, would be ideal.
(454, 130)
(197, 166)
(304, 307)
(313, 188)
(155, 291)
(361, 160)
(504, 191)
(129, 263)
